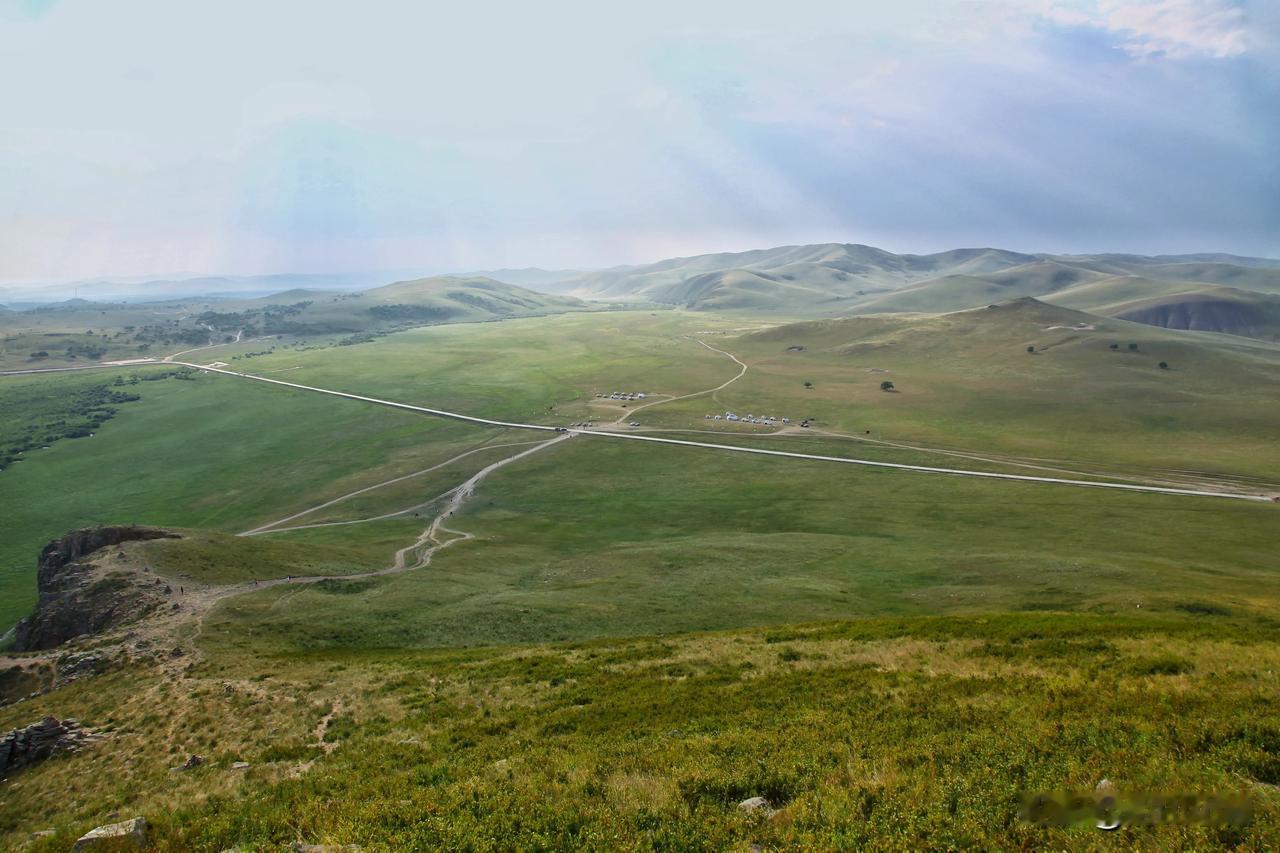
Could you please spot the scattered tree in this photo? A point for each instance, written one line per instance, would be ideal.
(1031, 349)
(808, 384)
(1115, 346)
(1164, 365)
(886, 385)
(1133, 347)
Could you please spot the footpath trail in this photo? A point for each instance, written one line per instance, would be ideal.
(430, 537)
(741, 373)
(200, 601)
(275, 526)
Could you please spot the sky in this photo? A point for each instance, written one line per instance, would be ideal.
(154, 137)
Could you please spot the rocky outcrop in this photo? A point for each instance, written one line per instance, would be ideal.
(38, 741)
(126, 835)
(75, 598)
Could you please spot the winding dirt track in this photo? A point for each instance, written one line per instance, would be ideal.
(459, 496)
(274, 526)
(720, 387)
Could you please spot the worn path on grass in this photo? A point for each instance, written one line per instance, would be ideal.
(274, 526)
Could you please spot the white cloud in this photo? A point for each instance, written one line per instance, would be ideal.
(1177, 29)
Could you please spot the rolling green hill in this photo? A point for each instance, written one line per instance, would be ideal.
(1104, 295)
(958, 292)
(78, 331)
(1217, 309)
(832, 279)
(812, 273)
(444, 299)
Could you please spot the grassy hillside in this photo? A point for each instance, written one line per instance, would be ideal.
(834, 279)
(1105, 295)
(967, 381)
(79, 332)
(1263, 279)
(1168, 302)
(958, 292)
(833, 269)
(876, 734)
(1219, 309)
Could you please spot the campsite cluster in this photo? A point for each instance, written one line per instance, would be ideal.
(762, 420)
(622, 395)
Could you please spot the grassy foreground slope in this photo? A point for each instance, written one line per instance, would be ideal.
(877, 734)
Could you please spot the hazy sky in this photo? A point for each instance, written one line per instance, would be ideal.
(141, 137)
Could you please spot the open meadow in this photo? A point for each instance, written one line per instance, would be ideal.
(609, 642)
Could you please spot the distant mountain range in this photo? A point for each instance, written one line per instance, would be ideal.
(1208, 292)
(220, 286)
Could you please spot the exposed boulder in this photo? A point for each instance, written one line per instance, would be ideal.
(75, 665)
(115, 836)
(76, 599)
(34, 743)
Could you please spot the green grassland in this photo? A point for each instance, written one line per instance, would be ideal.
(212, 453)
(226, 454)
(967, 381)
(597, 538)
(543, 370)
(641, 636)
(207, 557)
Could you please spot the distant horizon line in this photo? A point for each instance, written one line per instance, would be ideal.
(423, 271)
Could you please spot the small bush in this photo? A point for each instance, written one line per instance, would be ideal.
(290, 751)
(1199, 608)
(1163, 665)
